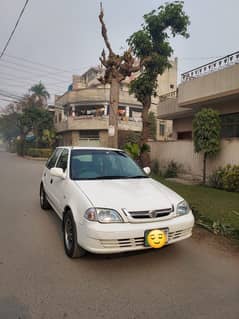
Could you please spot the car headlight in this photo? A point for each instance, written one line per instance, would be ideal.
(103, 215)
(182, 208)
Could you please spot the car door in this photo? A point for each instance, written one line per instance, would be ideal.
(47, 178)
(58, 185)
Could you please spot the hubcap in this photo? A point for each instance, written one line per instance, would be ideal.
(69, 233)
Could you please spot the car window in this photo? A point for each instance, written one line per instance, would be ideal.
(102, 164)
(63, 159)
(52, 160)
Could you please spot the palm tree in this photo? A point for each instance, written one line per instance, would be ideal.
(40, 94)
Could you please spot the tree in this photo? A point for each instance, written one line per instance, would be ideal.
(206, 135)
(152, 125)
(117, 68)
(36, 120)
(8, 126)
(40, 94)
(152, 48)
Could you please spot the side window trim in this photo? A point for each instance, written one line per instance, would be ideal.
(54, 153)
(58, 159)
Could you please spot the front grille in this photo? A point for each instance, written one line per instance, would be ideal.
(123, 243)
(179, 233)
(150, 213)
(139, 241)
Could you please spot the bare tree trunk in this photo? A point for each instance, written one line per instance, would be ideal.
(144, 155)
(113, 112)
(204, 168)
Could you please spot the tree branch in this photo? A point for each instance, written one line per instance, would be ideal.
(104, 30)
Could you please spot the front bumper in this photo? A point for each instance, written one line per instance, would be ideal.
(116, 238)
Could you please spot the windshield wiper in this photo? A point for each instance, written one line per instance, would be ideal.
(138, 176)
(111, 177)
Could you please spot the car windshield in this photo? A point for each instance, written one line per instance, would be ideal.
(103, 164)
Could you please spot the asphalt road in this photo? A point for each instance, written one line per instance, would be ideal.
(197, 278)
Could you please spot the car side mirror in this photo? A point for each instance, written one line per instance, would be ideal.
(147, 170)
(57, 172)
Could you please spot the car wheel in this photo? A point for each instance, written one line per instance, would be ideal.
(72, 249)
(43, 200)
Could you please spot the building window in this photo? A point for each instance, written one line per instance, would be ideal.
(89, 134)
(187, 135)
(230, 125)
(161, 129)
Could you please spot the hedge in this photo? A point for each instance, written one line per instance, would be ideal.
(226, 178)
(38, 152)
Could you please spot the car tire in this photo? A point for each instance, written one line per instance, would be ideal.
(43, 199)
(72, 249)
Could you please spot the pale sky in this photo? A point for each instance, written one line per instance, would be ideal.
(65, 35)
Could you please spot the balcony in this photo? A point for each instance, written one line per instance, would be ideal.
(168, 108)
(206, 88)
(95, 123)
(213, 66)
(95, 95)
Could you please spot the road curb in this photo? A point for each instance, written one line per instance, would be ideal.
(43, 159)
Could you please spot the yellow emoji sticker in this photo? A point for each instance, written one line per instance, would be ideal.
(156, 238)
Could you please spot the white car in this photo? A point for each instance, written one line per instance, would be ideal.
(108, 204)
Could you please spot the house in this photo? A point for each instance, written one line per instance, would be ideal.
(82, 113)
(214, 85)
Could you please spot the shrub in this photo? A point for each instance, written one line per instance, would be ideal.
(226, 178)
(155, 167)
(133, 150)
(215, 180)
(172, 169)
(38, 152)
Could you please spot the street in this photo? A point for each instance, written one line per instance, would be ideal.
(196, 278)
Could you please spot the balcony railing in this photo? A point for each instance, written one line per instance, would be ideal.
(98, 123)
(170, 95)
(216, 65)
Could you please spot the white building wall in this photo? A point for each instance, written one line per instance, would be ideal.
(182, 152)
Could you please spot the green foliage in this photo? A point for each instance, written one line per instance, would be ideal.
(133, 150)
(152, 48)
(215, 226)
(152, 126)
(8, 126)
(38, 121)
(151, 45)
(206, 132)
(217, 210)
(40, 94)
(39, 152)
(172, 170)
(128, 137)
(226, 178)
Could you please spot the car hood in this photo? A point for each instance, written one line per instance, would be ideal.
(131, 194)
